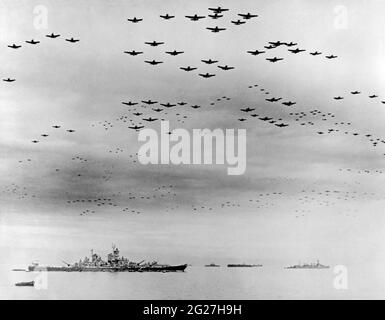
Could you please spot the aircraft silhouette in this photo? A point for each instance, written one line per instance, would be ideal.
(269, 47)
(35, 141)
(153, 62)
(52, 35)
(158, 110)
(226, 67)
(315, 53)
(265, 119)
(275, 59)
(149, 102)
(154, 43)
(168, 105)
(195, 17)
(247, 16)
(195, 106)
(9, 80)
(167, 16)
(135, 20)
(33, 42)
(206, 75)
(133, 52)
(296, 50)
(56, 127)
(276, 43)
(215, 16)
(149, 119)
(281, 125)
(14, 46)
(290, 44)
(44, 135)
(256, 52)
(216, 29)
(338, 98)
(218, 10)
(288, 103)
(242, 119)
(355, 92)
(273, 99)
(129, 103)
(331, 57)
(247, 109)
(71, 130)
(209, 61)
(373, 96)
(136, 127)
(137, 114)
(238, 22)
(188, 68)
(174, 53)
(72, 40)
(182, 103)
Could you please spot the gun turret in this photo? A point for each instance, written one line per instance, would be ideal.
(68, 265)
(141, 262)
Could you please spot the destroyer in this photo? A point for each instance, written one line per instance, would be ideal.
(308, 266)
(114, 263)
(243, 265)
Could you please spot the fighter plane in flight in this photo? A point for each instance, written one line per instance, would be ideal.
(207, 75)
(275, 59)
(195, 17)
(129, 103)
(72, 40)
(256, 52)
(174, 53)
(135, 20)
(315, 53)
(248, 109)
(149, 119)
(218, 10)
(168, 105)
(136, 127)
(32, 42)
(216, 29)
(154, 43)
(14, 46)
(226, 67)
(237, 22)
(52, 35)
(9, 80)
(133, 52)
(209, 61)
(273, 99)
(153, 62)
(215, 16)
(247, 16)
(296, 50)
(331, 57)
(167, 16)
(149, 102)
(188, 68)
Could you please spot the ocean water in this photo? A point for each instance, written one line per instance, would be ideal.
(268, 282)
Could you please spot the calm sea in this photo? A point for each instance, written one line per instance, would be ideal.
(268, 282)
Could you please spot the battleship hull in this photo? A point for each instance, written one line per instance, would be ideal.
(157, 268)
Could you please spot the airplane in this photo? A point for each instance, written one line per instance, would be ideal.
(168, 105)
(256, 52)
(135, 20)
(70, 130)
(290, 44)
(270, 47)
(33, 42)
(52, 35)
(218, 10)
(167, 16)
(136, 127)
(133, 52)
(373, 96)
(281, 125)
(315, 53)
(247, 109)
(320, 132)
(195, 17)
(265, 118)
(153, 62)
(137, 114)
(206, 75)
(242, 119)
(182, 103)
(56, 127)
(129, 103)
(288, 103)
(238, 22)
(254, 115)
(14, 46)
(35, 141)
(226, 67)
(9, 80)
(209, 61)
(276, 43)
(188, 68)
(216, 29)
(275, 59)
(296, 50)
(338, 98)
(72, 40)
(247, 16)
(355, 92)
(273, 99)
(331, 57)
(174, 53)
(154, 43)
(195, 106)
(149, 119)
(149, 102)
(44, 135)
(215, 16)
(157, 110)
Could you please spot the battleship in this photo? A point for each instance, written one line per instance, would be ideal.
(313, 265)
(243, 265)
(212, 265)
(114, 263)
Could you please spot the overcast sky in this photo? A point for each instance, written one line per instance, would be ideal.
(81, 85)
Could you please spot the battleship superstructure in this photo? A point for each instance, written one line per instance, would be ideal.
(312, 265)
(114, 263)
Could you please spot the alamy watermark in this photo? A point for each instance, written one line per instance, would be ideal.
(179, 146)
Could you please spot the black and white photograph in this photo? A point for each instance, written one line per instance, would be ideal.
(192, 150)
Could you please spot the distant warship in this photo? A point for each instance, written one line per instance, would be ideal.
(243, 265)
(308, 266)
(212, 265)
(114, 263)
